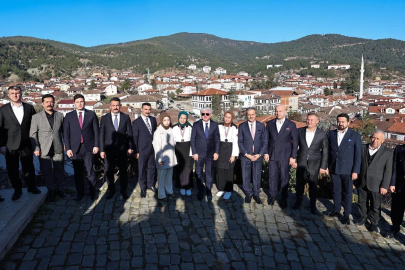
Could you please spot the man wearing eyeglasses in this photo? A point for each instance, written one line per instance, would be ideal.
(15, 144)
(204, 143)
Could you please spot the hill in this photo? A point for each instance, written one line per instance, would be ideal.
(21, 53)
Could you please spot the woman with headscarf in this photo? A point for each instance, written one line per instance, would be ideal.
(228, 152)
(184, 169)
(163, 144)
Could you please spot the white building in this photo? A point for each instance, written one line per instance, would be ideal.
(192, 67)
(375, 90)
(339, 66)
(315, 66)
(203, 99)
(206, 69)
(143, 87)
(92, 95)
(111, 90)
(246, 99)
(220, 71)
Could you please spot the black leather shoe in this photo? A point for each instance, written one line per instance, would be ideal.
(50, 197)
(333, 214)
(314, 211)
(93, 194)
(61, 193)
(110, 194)
(78, 198)
(200, 195)
(34, 190)
(125, 196)
(391, 234)
(172, 195)
(16, 195)
(257, 199)
(1, 199)
(271, 200)
(248, 199)
(283, 203)
(296, 205)
(153, 189)
(360, 222)
(346, 220)
(373, 229)
(143, 193)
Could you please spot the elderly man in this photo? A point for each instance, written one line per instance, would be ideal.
(374, 179)
(204, 142)
(46, 138)
(282, 152)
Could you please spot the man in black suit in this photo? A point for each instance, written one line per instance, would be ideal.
(15, 144)
(312, 160)
(115, 145)
(374, 179)
(142, 131)
(397, 187)
(283, 146)
(81, 136)
(205, 142)
(344, 165)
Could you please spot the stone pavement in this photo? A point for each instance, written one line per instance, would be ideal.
(184, 233)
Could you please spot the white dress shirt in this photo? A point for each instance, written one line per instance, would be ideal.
(279, 124)
(205, 123)
(113, 118)
(309, 137)
(18, 111)
(373, 151)
(254, 127)
(340, 135)
(82, 111)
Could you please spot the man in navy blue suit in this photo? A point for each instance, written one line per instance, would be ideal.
(283, 147)
(142, 131)
(344, 165)
(80, 133)
(204, 143)
(115, 145)
(252, 141)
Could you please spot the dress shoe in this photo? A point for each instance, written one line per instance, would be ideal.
(163, 199)
(391, 234)
(296, 205)
(333, 214)
(110, 194)
(182, 191)
(125, 195)
(271, 200)
(61, 193)
(93, 194)
(16, 195)
(360, 222)
(50, 197)
(248, 199)
(220, 193)
(1, 199)
(227, 195)
(373, 229)
(34, 190)
(314, 211)
(200, 195)
(143, 193)
(171, 195)
(283, 203)
(78, 198)
(346, 220)
(153, 189)
(188, 192)
(257, 199)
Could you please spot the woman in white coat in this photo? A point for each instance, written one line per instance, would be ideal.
(163, 144)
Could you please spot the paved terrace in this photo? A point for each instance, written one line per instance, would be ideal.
(184, 233)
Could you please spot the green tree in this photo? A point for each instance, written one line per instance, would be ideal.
(179, 91)
(326, 91)
(334, 85)
(233, 98)
(126, 85)
(92, 85)
(365, 127)
(153, 83)
(216, 107)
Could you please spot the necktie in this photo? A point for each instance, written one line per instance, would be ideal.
(81, 125)
(252, 131)
(148, 125)
(206, 130)
(116, 123)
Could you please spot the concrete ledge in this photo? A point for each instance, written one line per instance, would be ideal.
(15, 216)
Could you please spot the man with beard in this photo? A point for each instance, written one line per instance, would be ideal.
(46, 138)
(344, 165)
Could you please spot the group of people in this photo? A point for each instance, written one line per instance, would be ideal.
(173, 151)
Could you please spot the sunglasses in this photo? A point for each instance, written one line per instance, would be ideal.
(205, 114)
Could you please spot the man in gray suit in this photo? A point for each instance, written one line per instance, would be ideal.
(46, 139)
(374, 180)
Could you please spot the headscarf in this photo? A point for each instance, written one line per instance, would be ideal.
(161, 117)
(232, 117)
(186, 123)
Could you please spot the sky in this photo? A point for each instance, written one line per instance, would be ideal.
(91, 23)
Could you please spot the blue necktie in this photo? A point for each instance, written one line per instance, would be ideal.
(116, 123)
(206, 130)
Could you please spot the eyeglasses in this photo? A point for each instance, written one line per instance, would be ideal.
(205, 114)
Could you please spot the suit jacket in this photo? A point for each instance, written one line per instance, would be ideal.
(43, 136)
(12, 133)
(283, 145)
(316, 156)
(202, 146)
(110, 139)
(346, 158)
(142, 137)
(398, 169)
(72, 132)
(246, 142)
(378, 173)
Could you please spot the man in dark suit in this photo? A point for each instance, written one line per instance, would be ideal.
(15, 123)
(252, 142)
(312, 160)
(397, 187)
(81, 136)
(344, 165)
(374, 179)
(283, 146)
(115, 145)
(46, 137)
(204, 142)
(142, 131)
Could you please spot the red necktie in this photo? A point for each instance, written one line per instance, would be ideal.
(81, 125)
